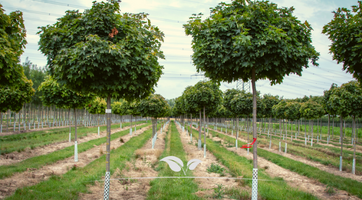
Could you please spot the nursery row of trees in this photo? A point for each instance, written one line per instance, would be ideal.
(110, 55)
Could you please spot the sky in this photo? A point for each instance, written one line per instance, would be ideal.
(179, 71)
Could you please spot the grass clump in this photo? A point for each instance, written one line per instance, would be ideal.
(215, 168)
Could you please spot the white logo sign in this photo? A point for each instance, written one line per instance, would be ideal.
(176, 164)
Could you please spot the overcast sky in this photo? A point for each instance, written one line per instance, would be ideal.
(170, 15)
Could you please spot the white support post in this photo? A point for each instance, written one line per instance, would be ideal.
(75, 151)
(254, 188)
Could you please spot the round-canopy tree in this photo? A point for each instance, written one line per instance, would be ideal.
(130, 108)
(251, 40)
(204, 95)
(346, 100)
(269, 101)
(97, 106)
(154, 106)
(328, 108)
(242, 105)
(14, 97)
(103, 52)
(345, 33)
(292, 112)
(12, 34)
(59, 95)
(311, 110)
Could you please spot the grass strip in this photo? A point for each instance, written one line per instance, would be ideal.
(175, 188)
(39, 161)
(19, 142)
(351, 186)
(274, 188)
(70, 184)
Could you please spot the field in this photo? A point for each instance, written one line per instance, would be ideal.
(40, 165)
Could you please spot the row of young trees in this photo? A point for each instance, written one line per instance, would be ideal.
(252, 40)
(98, 53)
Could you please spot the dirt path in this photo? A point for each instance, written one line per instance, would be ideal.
(15, 157)
(140, 167)
(206, 186)
(293, 179)
(32, 177)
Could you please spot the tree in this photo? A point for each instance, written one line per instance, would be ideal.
(37, 75)
(250, 40)
(292, 112)
(14, 97)
(97, 106)
(344, 32)
(103, 52)
(346, 100)
(269, 101)
(12, 34)
(311, 110)
(154, 106)
(242, 105)
(59, 95)
(330, 110)
(204, 95)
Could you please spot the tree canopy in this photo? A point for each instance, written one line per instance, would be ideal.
(103, 52)
(12, 44)
(269, 101)
(311, 110)
(54, 93)
(97, 106)
(246, 34)
(37, 75)
(346, 99)
(344, 30)
(204, 94)
(14, 97)
(242, 104)
(154, 106)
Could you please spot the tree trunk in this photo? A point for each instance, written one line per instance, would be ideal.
(333, 127)
(255, 145)
(199, 142)
(329, 127)
(311, 143)
(75, 139)
(341, 137)
(204, 127)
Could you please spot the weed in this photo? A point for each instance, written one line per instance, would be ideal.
(218, 192)
(121, 140)
(215, 168)
(330, 190)
(74, 167)
(235, 193)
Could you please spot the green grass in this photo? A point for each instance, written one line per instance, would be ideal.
(39, 161)
(351, 186)
(175, 188)
(275, 188)
(70, 184)
(19, 142)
